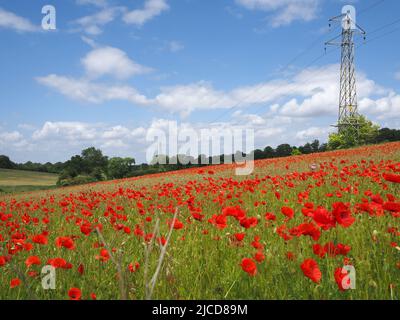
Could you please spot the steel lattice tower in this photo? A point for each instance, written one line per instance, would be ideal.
(348, 108)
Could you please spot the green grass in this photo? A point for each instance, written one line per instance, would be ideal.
(14, 181)
(202, 265)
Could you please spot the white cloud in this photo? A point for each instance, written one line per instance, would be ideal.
(12, 140)
(312, 133)
(72, 131)
(90, 42)
(397, 75)
(251, 119)
(111, 61)
(26, 126)
(284, 11)
(65, 138)
(309, 94)
(10, 20)
(185, 99)
(92, 24)
(13, 136)
(151, 9)
(86, 91)
(98, 3)
(387, 107)
(175, 46)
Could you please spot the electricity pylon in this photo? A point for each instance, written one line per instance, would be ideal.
(348, 107)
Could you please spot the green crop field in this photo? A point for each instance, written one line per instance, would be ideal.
(19, 181)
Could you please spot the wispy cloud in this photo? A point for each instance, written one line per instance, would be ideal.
(98, 3)
(86, 91)
(284, 12)
(151, 9)
(111, 61)
(93, 24)
(175, 46)
(10, 20)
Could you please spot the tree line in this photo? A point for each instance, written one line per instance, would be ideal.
(91, 165)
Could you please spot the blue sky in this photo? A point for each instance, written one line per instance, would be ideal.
(113, 70)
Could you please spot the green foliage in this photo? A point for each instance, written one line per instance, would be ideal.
(80, 179)
(348, 137)
(283, 150)
(296, 152)
(90, 166)
(118, 168)
(6, 163)
(336, 141)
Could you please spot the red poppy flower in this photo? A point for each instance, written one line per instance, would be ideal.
(319, 250)
(15, 282)
(342, 214)
(104, 255)
(391, 206)
(391, 177)
(3, 261)
(290, 256)
(340, 275)
(259, 257)
(343, 249)
(74, 294)
(39, 239)
(235, 212)
(81, 269)
(93, 296)
(59, 263)
(239, 236)
(162, 240)
(249, 222)
(270, 216)
(309, 229)
(288, 212)
(221, 221)
(323, 218)
(177, 224)
(86, 229)
(65, 242)
(249, 266)
(133, 267)
(311, 270)
(32, 260)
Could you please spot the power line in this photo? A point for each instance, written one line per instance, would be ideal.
(371, 7)
(335, 49)
(239, 103)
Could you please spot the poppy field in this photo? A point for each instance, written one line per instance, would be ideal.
(284, 232)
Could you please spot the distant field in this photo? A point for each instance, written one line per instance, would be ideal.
(17, 180)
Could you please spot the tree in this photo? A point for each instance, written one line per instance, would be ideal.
(258, 154)
(283, 150)
(6, 163)
(119, 168)
(387, 135)
(306, 149)
(336, 141)
(73, 167)
(93, 159)
(269, 152)
(348, 137)
(315, 145)
(296, 152)
(323, 147)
